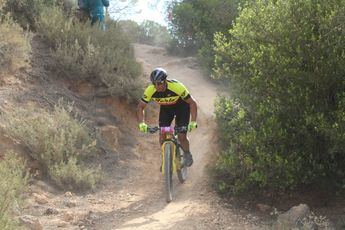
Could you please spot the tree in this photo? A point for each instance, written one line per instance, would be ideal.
(130, 28)
(193, 24)
(153, 33)
(119, 9)
(285, 124)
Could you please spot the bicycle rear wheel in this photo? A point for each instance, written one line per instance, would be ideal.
(168, 171)
(181, 168)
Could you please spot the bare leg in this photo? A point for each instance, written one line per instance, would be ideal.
(184, 141)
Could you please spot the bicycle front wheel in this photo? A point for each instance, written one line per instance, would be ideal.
(168, 171)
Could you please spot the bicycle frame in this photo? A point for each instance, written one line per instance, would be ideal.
(172, 140)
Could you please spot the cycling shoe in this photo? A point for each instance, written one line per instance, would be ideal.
(188, 159)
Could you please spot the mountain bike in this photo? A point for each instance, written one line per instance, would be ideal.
(172, 158)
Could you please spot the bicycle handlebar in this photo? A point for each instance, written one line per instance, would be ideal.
(177, 129)
(152, 129)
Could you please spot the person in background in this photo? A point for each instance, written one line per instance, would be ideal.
(96, 8)
(83, 13)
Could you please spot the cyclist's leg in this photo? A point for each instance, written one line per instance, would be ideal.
(166, 116)
(182, 119)
(184, 142)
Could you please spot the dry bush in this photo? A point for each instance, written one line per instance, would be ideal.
(58, 142)
(13, 181)
(14, 46)
(316, 222)
(85, 52)
(25, 12)
(72, 175)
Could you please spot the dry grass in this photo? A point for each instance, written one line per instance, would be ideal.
(80, 51)
(58, 142)
(14, 46)
(85, 52)
(13, 180)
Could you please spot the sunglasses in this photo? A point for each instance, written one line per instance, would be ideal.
(159, 82)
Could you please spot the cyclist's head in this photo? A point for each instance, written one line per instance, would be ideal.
(158, 75)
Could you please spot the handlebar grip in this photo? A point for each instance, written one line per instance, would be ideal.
(181, 129)
(152, 129)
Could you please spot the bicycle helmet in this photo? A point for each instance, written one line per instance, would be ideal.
(158, 75)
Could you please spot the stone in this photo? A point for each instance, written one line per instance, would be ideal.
(68, 194)
(292, 218)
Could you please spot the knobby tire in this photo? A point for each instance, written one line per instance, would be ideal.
(182, 170)
(168, 171)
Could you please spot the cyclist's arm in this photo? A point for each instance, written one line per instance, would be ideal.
(193, 107)
(146, 98)
(141, 111)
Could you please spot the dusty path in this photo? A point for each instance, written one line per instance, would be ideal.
(195, 205)
(131, 196)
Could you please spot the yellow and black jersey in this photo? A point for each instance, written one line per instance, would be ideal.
(175, 93)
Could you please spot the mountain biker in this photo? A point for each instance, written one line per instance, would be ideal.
(175, 101)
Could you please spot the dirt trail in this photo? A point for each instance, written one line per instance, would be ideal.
(131, 196)
(194, 205)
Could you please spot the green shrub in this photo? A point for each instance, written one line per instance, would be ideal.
(25, 12)
(284, 61)
(57, 141)
(14, 46)
(129, 28)
(13, 181)
(153, 33)
(84, 52)
(148, 32)
(72, 175)
(2, 4)
(193, 23)
(245, 162)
